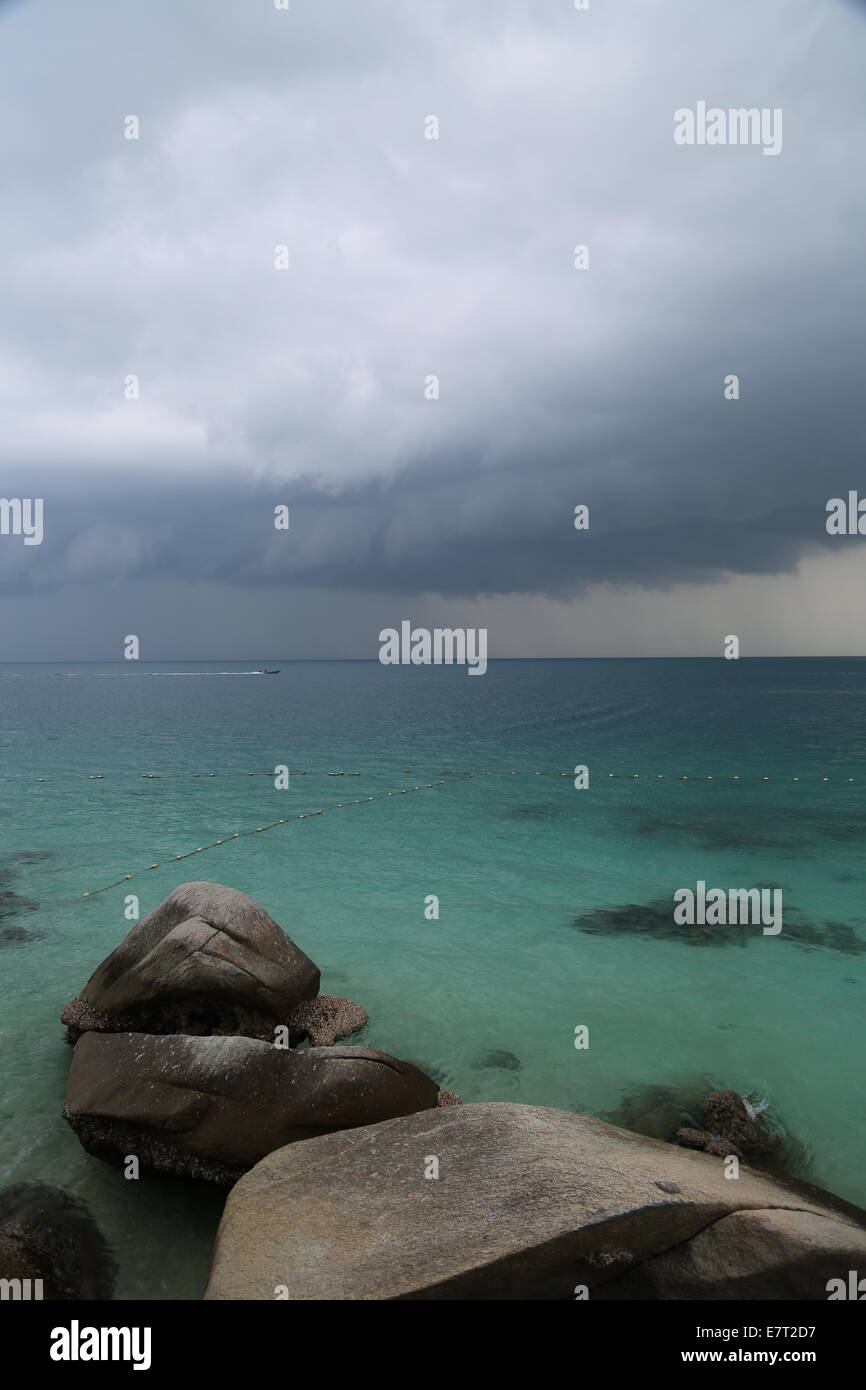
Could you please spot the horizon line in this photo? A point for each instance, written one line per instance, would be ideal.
(374, 660)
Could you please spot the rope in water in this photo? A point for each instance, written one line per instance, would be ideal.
(447, 780)
(159, 776)
(284, 820)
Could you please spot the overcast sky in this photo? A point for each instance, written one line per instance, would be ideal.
(411, 257)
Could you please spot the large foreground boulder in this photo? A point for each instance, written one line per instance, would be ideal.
(50, 1246)
(211, 1107)
(751, 1255)
(207, 960)
(499, 1201)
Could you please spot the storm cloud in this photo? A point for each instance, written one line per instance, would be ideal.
(409, 258)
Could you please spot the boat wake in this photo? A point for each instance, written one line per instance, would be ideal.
(213, 673)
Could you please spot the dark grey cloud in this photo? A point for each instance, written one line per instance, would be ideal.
(411, 257)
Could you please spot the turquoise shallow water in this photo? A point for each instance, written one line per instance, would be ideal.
(514, 860)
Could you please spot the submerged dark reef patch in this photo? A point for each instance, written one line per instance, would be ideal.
(655, 920)
(658, 1111)
(718, 834)
(791, 832)
(13, 903)
(55, 1232)
(502, 1061)
(9, 935)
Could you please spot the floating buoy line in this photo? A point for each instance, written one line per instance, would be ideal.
(447, 779)
(285, 820)
(160, 776)
(306, 772)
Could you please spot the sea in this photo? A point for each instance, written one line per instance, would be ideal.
(507, 930)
